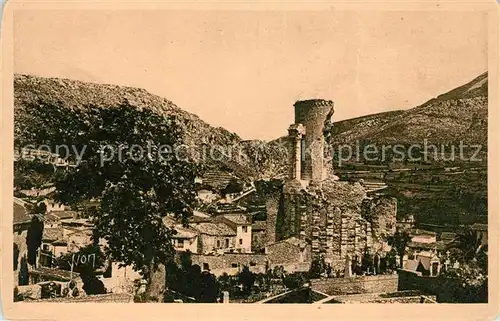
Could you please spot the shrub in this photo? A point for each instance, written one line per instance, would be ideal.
(294, 281)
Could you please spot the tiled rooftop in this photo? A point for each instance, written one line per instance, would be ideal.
(61, 214)
(237, 218)
(56, 274)
(20, 214)
(217, 229)
(183, 233)
(411, 265)
(52, 234)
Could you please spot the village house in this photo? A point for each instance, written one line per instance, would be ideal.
(53, 245)
(426, 263)
(423, 237)
(79, 239)
(215, 237)
(242, 225)
(422, 240)
(54, 218)
(185, 239)
(37, 192)
(52, 206)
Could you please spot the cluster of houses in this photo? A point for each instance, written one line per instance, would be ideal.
(44, 156)
(64, 232)
(428, 252)
(223, 242)
(227, 241)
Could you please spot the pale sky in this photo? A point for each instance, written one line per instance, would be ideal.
(243, 70)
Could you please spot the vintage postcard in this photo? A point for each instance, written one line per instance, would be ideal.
(250, 160)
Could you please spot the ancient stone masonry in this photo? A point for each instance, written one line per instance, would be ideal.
(335, 218)
(312, 114)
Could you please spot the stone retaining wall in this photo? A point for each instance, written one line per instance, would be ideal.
(355, 285)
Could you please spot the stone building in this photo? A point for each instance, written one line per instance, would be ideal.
(241, 224)
(332, 217)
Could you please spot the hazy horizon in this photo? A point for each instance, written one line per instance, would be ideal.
(244, 70)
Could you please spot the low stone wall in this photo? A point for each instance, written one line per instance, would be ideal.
(409, 280)
(355, 285)
(33, 291)
(230, 263)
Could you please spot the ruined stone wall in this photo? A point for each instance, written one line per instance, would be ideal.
(337, 227)
(381, 213)
(355, 234)
(335, 218)
(272, 207)
(259, 240)
(290, 214)
(285, 253)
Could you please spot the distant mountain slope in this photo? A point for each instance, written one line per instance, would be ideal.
(77, 94)
(460, 114)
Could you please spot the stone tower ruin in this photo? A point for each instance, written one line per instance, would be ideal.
(307, 140)
(333, 218)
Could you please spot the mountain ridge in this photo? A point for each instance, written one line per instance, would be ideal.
(459, 114)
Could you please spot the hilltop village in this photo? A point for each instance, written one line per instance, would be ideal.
(310, 237)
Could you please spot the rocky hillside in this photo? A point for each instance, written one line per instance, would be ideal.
(460, 114)
(244, 159)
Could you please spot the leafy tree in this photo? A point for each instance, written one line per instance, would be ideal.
(91, 284)
(208, 288)
(466, 284)
(246, 278)
(294, 280)
(40, 208)
(186, 260)
(190, 281)
(317, 268)
(224, 282)
(278, 272)
(32, 174)
(34, 239)
(390, 260)
(399, 241)
(468, 243)
(132, 164)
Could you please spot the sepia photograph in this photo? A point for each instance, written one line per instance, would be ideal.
(249, 157)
